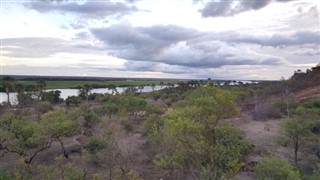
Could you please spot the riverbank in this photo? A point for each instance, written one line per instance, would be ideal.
(94, 84)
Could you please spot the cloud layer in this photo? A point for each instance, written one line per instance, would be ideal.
(89, 9)
(176, 45)
(233, 7)
(133, 36)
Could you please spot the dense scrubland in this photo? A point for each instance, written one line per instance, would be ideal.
(195, 130)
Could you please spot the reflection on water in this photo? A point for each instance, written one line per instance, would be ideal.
(74, 92)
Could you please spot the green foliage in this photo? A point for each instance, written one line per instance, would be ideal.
(69, 171)
(156, 109)
(213, 101)
(312, 104)
(53, 96)
(153, 123)
(43, 107)
(73, 100)
(90, 117)
(192, 136)
(298, 132)
(46, 171)
(4, 175)
(58, 124)
(315, 174)
(276, 168)
(109, 108)
(305, 112)
(94, 145)
(22, 137)
(132, 104)
(156, 95)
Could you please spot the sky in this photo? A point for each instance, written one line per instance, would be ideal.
(180, 39)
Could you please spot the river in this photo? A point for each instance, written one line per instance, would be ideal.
(74, 92)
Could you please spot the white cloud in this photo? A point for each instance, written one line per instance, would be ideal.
(238, 39)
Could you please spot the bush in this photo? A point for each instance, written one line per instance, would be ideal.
(108, 108)
(312, 104)
(94, 146)
(4, 175)
(91, 118)
(315, 174)
(156, 109)
(154, 122)
(73, 100)
(276, 168)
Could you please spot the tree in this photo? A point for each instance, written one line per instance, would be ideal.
(153, 85)
(42, 107)
(287, 95)
(21, 137)
(161, 84)
(19, 88)
(84, 92)
(133, 105)
(156, 96)
(73, 100)
(26, 138)
(53, 96)
(8, 83)
(297, 131)
(192, 140)
(41, 85)
(276, 168)
(113, 89)
(141, 87)
(131, 90)
(58, 125)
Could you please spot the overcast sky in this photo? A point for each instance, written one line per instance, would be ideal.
(226, 39)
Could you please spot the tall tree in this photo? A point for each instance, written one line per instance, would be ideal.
(84, 91)
(153, 85)
(113, 89)
(8, 83)
(41, 85)
(19, 88)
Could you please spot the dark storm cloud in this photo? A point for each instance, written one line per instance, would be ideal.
(232, 7)
(90, 9)
(174, 45)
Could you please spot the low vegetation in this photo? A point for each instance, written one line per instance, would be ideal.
(191, 130)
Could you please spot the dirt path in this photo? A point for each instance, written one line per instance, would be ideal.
(263, 135)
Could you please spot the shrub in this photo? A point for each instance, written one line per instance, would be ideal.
(73, 100)
(91, 118)
(154, 122)
(156, 109)
(312, 104)
(4, 175)
(276, 168)
(94, 146)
